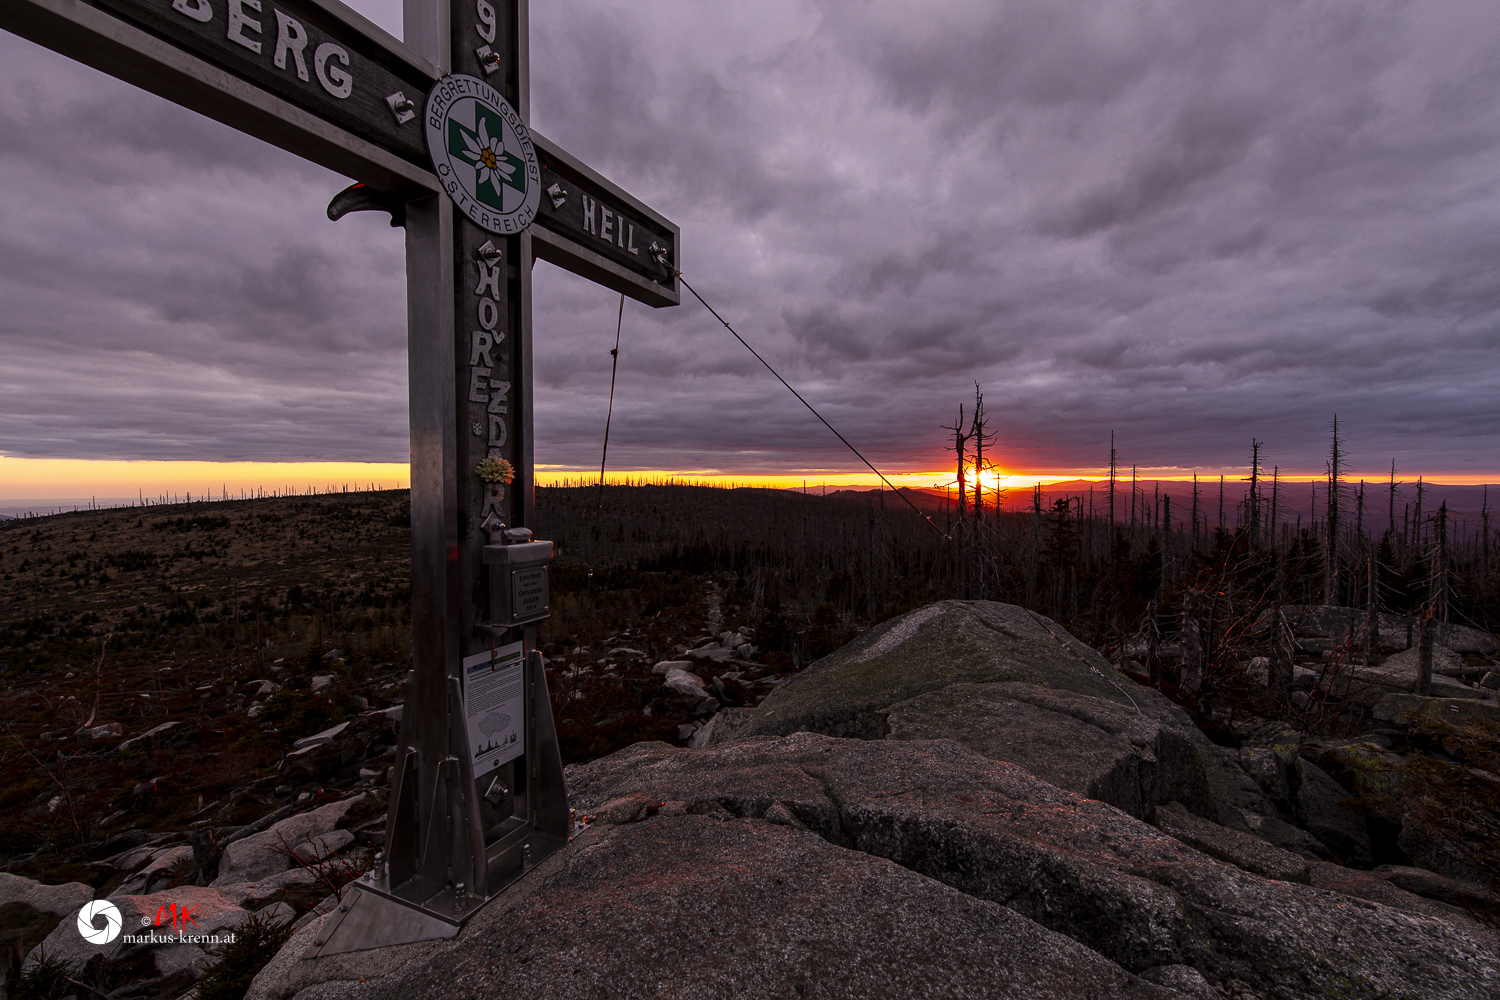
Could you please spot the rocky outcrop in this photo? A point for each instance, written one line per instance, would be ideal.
(1015, 686)
(810, 865)
(1010, 685)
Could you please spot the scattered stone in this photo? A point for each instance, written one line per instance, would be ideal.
(165, 863)
(326, 736)
(131, 859)
(256, 892)
(262, 855)
(311, 762)
(277, 913)
(1490, 681)
(168, 734)
(625, 651)
(321, 845)
(322, 682)
(667, 666)
(685, 683)
(721, 728)
(334, 654)
(59, 900)
(710, 654)
(1445, 663)
(104, 732)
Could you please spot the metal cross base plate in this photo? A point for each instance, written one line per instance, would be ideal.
(372, 916)
(364, 920)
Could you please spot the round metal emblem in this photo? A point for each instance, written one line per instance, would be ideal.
(483, 155)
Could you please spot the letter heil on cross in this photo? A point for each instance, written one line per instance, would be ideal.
(481, 197)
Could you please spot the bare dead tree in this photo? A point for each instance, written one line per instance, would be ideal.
(1416, 519)
(1114, 474)
(960, 440)
(1424, 653)
(1391, 520)
(1195, 510)
(1331, 550)
(981, 437)
(1166, 537)
(1132, 499)
(1275, 499)
(1153, 639)
(1279, 676)
(1484, 544)
(1440, 588)
(1192, 645)
(1253, 499)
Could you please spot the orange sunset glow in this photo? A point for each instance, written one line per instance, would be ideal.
(73, 479)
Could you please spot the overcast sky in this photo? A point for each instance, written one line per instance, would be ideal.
(1188, 223)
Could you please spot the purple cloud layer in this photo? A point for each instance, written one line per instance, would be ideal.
(1187, 223)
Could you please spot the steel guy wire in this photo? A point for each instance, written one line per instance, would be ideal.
(614, 368)
(661, 258)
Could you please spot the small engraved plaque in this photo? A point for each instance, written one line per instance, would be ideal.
(528, 592)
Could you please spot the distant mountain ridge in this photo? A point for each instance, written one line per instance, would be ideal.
(1307, 500)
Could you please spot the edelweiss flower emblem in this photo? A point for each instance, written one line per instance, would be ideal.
(482, 154)
(496, 166)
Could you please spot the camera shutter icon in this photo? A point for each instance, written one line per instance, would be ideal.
(99, 922)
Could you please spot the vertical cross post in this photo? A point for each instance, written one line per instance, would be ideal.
(459, 829)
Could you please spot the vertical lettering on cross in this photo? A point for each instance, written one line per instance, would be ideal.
(490, 380)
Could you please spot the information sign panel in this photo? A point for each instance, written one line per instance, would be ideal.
(494, 707)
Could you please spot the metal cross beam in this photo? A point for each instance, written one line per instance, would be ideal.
(434, 130)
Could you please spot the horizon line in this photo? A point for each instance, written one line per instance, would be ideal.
(29, 480)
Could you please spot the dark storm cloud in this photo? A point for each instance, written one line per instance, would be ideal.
(1188, 223)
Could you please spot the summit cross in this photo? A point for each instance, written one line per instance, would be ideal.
(434, 131)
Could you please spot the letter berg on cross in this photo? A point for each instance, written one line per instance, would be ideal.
(454, 838)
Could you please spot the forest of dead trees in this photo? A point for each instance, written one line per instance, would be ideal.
(1116, 565)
